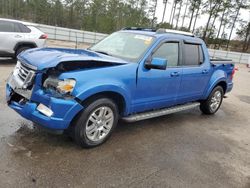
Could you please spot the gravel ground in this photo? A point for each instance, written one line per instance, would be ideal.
(185, 149)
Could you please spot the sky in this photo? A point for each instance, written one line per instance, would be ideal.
(201, 21)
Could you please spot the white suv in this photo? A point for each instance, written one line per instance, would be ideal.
(17, 36)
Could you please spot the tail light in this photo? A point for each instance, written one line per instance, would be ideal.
(43, 36)
(233, 72)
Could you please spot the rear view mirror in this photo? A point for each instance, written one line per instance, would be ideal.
(156, 63)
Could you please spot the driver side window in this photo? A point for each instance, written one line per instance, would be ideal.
(170, 52)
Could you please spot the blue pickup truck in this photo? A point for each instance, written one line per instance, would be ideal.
(133, 74)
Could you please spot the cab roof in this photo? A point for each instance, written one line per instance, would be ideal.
(166, 33)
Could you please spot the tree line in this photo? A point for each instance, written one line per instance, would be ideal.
(107, 16)
(224, 12)
(103, 16)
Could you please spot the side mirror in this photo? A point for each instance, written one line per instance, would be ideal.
(156, 63)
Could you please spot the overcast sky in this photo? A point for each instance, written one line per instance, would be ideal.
(201, 21)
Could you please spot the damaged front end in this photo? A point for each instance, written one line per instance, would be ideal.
(21, 81)
(27, 93)
(42, 86)
(62, 88)
(46, 96)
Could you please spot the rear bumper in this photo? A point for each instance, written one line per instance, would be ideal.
(63, 110)
(229, 87)
(41, 43)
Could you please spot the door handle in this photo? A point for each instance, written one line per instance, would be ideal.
(175, 74)
(18, 36)
(205, 71)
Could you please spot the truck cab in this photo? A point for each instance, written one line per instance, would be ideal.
(133, 74)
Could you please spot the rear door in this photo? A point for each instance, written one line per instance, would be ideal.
(196, 73)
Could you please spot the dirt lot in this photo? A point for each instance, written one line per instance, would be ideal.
(186, 149)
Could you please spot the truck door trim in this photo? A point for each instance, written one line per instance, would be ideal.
(180, 55)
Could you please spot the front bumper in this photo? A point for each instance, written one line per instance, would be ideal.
(64, 110)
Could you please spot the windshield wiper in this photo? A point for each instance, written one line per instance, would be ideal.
(102, 52)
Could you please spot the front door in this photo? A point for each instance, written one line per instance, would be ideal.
(158, 88)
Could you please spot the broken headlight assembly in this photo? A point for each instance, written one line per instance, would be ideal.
(59, 88)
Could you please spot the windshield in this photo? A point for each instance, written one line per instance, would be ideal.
(128, 46)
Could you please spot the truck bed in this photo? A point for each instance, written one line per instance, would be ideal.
(216, 61)
(224, 64)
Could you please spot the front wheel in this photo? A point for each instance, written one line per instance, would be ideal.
(96, 123)
(212, 104)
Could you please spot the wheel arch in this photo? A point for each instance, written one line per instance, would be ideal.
(218, 77)
(115, 91)
(221, 82)
(22, 44)
(115, 96)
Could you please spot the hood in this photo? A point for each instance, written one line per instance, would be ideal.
(43, 58)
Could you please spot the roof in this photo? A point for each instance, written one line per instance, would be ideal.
(161, 30)
(18, 21)
(166, 33)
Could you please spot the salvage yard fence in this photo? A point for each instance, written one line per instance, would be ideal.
(72, 35)
(79, 36)
(237, 57)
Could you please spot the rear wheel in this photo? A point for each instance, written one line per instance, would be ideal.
(213, 102)
(96, 123)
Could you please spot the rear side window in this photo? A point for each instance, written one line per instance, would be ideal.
(170, 52)
(6, 26)
(17, 28)
(23, 28)
(193, 55)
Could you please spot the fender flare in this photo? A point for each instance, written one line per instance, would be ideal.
(32, 44)
(211, 86)
(217, 77)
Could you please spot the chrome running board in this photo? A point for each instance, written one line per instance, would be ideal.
(161, 112)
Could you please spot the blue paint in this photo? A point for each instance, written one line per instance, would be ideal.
(142, 89)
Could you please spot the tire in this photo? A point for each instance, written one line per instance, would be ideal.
(212, 104)
(21, 49)
(90, 128)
